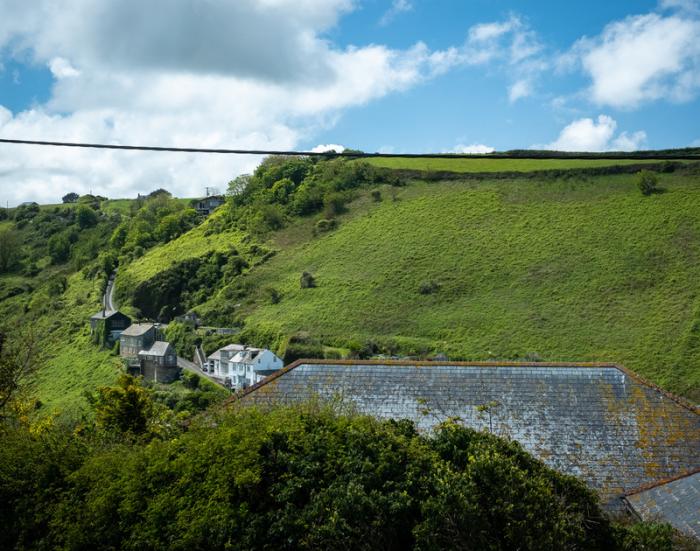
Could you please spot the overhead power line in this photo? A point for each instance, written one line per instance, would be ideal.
(359, 154)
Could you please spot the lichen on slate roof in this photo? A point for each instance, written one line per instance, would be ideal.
(676, 501)
(598, 422)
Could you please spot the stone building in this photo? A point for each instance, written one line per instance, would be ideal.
(158, 363)
(137, 337)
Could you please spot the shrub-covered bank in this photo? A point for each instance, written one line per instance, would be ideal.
(306, 477)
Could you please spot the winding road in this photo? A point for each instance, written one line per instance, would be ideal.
(108, 298)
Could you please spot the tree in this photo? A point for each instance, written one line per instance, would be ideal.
(71, 197)
(85, 216)
(647, 182)
(59, 248)
(238, 184)
(10, 250)
(125, 408)
(19, 359)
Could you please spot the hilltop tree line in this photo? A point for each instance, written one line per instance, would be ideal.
(283, 187)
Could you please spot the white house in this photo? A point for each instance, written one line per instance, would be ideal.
(251, 366)
(218, 361)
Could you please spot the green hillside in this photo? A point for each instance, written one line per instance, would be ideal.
(567, 269)
(561, 266)
(54, 264)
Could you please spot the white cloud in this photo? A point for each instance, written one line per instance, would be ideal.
(61, 68)
(484, 32)
(689, 6)
(520, 89)
(641, 58)
(322, 148)
(397, 7)
(630, 142)
(254, 75)
(475, 148)
(695, 143)
(587, 134)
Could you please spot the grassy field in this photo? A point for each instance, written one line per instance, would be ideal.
(584, 269)
(495, 165)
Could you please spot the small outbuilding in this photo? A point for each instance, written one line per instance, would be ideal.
(115, 324)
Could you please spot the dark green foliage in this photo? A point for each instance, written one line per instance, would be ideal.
(160, 192)
(292, 478)
(647, 182)
(298, 351)
(59, 248)
(307, 281)
(182, 337)
(125, 408)
(71, 198)
(85, 216)
(191, 380)
(273, 295)
(376, 196)
(186, 284)
(24, 213)
(428, 287)
(100, 334)
(10, 250)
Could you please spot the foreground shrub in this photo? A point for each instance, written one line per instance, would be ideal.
(303, 477)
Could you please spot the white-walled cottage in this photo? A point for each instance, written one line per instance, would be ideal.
(240, 366)
(218, 361)
(252, 365)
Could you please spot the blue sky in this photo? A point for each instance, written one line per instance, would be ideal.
(391, 76)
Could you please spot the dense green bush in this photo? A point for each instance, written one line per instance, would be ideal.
(647, 182)
(428, 287)
(291, 478)
(307, 281)
(85, 216)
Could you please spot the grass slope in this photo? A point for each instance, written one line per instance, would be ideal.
(71, 364)
(585, 269)
(193, 244)
(496, 165)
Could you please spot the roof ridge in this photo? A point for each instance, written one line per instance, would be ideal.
(426, 363)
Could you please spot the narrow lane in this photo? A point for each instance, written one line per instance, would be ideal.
(182, 363)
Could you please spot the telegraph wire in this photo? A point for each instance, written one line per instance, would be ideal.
(360, 154)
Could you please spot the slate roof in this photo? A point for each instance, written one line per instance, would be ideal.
(158, 348)
(676, 501)
(137, 329)
(599, 422)
(229, 347)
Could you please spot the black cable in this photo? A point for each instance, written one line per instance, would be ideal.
(358, 154)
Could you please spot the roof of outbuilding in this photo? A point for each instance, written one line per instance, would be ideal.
(137, 329)
(158, 348)
(676, 501)
(103, 315)
(600, 422)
